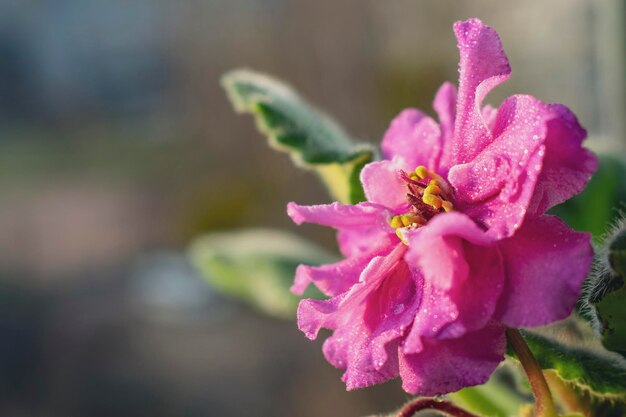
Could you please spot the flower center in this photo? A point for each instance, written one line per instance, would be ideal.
(427, 194)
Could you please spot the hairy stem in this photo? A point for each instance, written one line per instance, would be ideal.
(544, 405)
(445, 407)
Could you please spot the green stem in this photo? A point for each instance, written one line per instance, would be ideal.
(445, 407)
(544, 405)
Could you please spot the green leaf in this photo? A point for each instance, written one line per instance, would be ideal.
(595, 208)
(256, 266)
(584, 364)
(312, 139)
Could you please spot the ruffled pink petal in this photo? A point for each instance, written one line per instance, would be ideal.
(365, 240)
(368, 320)
(489, 116)
(496, 187)
(382, 183)
(357, 359)
(448, 365)
(567, 166)
(334, 312)
(369, 342)
(340, 216)
(414, 138)
(332, 279)
(445, 106)
(363, 227)
(483, 65)
(463, 278)
(546, 263)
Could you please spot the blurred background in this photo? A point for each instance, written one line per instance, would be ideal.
(118, 147)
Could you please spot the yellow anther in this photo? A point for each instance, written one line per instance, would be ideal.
(447, 206)
(445, 188)
(413, 176)
(421, 172)
(411, 220)
(396, 222)
(432, 200)
(432, 189)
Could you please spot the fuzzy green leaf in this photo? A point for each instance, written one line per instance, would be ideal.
(589, 367)
(256, 266)
(313, 140)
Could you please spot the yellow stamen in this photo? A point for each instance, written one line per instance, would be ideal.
(432, 200)
(443, 185)
(395, 222)
(435, 194)
(432, 189)
(421, 171)
(412, 220)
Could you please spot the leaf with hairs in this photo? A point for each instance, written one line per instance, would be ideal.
(312, 139)
(583, 363)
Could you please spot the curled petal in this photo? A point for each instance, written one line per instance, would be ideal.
(340, 215)
(496, 187)
(331, 279)
(368, 320)
(414, 138)
(489, 115)
(448, 365)
(345, 350)
(546, 263)
(463, 278)
(365, 240)
(445, 106)
(383, 185)
(567, 166)
(483, 65)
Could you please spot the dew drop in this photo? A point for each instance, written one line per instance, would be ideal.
(399, 308)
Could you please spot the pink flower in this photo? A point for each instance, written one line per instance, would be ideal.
(453, 243)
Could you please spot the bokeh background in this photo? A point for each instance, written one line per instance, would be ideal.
(118, 147)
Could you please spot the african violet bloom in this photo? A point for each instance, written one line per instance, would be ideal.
(453, 243)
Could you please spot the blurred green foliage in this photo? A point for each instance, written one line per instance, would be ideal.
(257, 266)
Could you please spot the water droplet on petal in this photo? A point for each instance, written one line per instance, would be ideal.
(399, 308)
